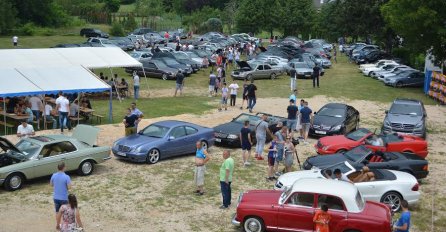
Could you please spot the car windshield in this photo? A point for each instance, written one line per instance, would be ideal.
(193, 55)
(300, 65)
(341, 166)
(406, 109)
(159, 64)
(359, 201)
(286, 192)
(246, 117)
(357, 154)
(28, 148)
(331, 112)
(170, 61)
(357, 134)
(156, 131)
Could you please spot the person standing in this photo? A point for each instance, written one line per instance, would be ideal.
(322, 219)
(272, 155)
(179, 80)
(36, 107)
(251, 94)
(201, 158)
(226, 171)
(68, 217)
(138, 113)
(246, 143)
(224, 97)
(288, 154)
(60, 182)
(15, 41)
(293, 78)
(316, 74)
(335, 52)
(244, 94)
(129, 122)
(261, 133)
(233, 87)
(281, 135)
(292, 116)
(306, 118)
(212, 82)
(403, 223)
(63, 107)
(25, 130)
(135, 85)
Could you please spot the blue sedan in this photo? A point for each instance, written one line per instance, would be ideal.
(162, 140)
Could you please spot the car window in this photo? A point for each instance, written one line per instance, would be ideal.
(95, 40)
(57, 149)
(28, 148)
(191, 130)
(331, 201)
(267, 67)
(260, 67)
(178, 132)
(302, 199)
(154, 131)
(152, 66)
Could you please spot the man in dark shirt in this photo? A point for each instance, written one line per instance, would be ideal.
(316, 74)
(251, 94)
(293, 77)
(246, 143)
(306, 117)
(179, 82)
(129, 122)
(292, 116)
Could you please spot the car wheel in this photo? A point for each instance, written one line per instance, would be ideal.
(399, 85)
(253, 224)
(369, 74)
(153, 156)
(204, 144)
(164, 77)
(86, 168)
(273, 76)
(249, 77)
(14, 181)
(393, 199)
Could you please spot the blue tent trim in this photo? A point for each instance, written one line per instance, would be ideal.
(427, 81)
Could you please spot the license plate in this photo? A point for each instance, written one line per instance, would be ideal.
(121, 154)
(218, 140)
(321, 132)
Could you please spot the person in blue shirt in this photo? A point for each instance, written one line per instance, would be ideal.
(403, 224)
(201, 158)
(60, 182)
(306, 119)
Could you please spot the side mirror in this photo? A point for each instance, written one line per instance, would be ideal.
(171, 138)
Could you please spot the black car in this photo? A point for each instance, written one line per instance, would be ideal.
(334, 119)
(142, 31)
(227, 134)
(361, 156)
(123, 42)
(406, 116)
(91, 32)
(408, 78)
(180, 58)
(172, 63)
(154, 68)
(67, 46)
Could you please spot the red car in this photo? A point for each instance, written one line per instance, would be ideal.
(294, 208)
(385, 143)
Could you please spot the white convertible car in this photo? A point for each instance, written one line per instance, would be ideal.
(389, 187)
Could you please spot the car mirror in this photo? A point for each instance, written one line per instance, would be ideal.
(171, 138)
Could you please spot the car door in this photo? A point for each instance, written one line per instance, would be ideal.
(268, 70)
(49, 157)
(296, 214)
(152, 70)
(336, 208)
(192, 136)
(372, 190)
(177, 141)
(418, 79)
(259, 72)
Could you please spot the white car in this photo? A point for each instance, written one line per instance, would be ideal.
(394, 73)
(368, 71)
(380, 62)
(380, 75)
(389, 187)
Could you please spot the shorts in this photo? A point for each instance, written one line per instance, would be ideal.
(224, 100)
(271, 161)
(199, 175)
(246, 146)
(59, 203)
(211, 88)
(299, 125)
(179, 86)
(130, 131)
(306, 127)
(291, 124)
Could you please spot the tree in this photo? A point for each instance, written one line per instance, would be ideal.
(421, 24)
(149, 7)
(249, 16)
(112, 6)
(8, 15)
(297, 16)
(40, 12)
(196, 19)
(228, 15)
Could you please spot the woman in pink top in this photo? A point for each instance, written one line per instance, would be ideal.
(68, 217)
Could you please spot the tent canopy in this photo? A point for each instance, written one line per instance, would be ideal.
(15, 84)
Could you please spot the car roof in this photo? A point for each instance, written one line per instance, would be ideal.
(173, 123)
(335, 105)
(343, 189)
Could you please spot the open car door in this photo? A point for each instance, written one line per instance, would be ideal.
(86, 133)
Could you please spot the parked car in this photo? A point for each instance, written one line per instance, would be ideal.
(392, 142)
(228, 134)
(100, 42)
(303, 70)
(390, 69)
(162, 140)
(255, 71)
(406, 116)
(294, 208)
(141, 55)
(368, 70)
(90, 32)
(334, 119)
(154, 38)
(142, 31)
(409, 79)
(387, 186)
(378, 63)
(383, 76)
(39, 156)
(172, 63)
(123, 42)
(361, 156)
(66, 46)
(154, 68)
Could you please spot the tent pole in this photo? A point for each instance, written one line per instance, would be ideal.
(44, 116)
(114, 84)
(4, 115)
(79, 110)
(110, 109)
(147, 81)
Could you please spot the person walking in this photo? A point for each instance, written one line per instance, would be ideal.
(15, 41)
(293, 78)
(316, 74)
(224, 97)
(68, 217)
(212, 83)
(201, 158)
(246, 142)
(129, 122)
(261, 133)
(335, 52)
(322, 219)
(251, 94)
(306, 118)
(63, 107)
(403, 223)
(135, 85)
(60, 182)
(244, 94)
(226, 171)
(234, 88)
(292, 117)
(179, 80)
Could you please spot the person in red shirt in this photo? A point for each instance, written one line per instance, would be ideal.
(321, 219)
(166, 36)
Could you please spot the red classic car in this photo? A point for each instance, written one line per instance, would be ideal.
(385, 143)
(294, 208)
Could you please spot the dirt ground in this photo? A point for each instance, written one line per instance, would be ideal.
(122, 196)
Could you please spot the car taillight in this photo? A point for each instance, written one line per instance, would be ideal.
(415, 187)
(425, 167)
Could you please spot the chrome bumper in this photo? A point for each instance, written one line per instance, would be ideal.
(107, 158)
(234, 221)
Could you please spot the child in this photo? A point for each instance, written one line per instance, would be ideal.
(321, 219)
(288, 154)
(224, 97)
(272, 153)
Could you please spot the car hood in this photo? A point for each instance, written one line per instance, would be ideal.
(322, 161)
(229, 128)
(402, 118)
(327, 120)
(243, 64)
(304, 70)
(136, 140)
(6, 145)
(336, 140)
(257, 197)
(287, 179)
(86, 133)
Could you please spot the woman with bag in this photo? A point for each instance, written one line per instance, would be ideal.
(69, 218)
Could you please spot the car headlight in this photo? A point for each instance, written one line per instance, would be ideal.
(232, 137)
(386, 123)
(325, 148)
(418, 125)
(335, 128)
(139, 150)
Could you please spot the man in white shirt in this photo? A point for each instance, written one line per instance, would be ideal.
(15, 41)
(136, 85)
(47, 113)
(341, 176)
(233, 87)
(25, 130)
(63, 106)
(36, 106)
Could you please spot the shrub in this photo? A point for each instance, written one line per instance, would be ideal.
(117, 30)
(28, 29)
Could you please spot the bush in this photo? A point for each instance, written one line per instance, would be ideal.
(28, 29)
(130, 23)
(212, 24)
(415, 60)
(117, 30)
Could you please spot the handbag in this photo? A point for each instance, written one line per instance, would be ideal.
(76, 227)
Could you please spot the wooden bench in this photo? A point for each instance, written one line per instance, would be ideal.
(8, 126)
(98, 117)
(75, 119)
